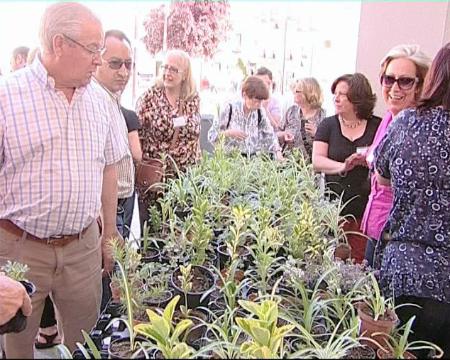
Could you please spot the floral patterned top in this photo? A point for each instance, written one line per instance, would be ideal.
(415, 155)
(260, 134)
(294, 121)
(156, 117)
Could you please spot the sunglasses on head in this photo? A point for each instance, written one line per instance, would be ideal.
(404, 83)
(117, 64)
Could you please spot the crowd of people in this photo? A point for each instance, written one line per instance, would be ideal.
(69, 155)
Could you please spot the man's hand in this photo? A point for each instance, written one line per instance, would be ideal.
(235, 134)
(13, 297)
(107, 256)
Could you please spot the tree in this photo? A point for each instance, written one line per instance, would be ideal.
(196, 27)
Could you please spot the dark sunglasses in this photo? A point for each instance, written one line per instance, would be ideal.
(404, 83)
(117, 64)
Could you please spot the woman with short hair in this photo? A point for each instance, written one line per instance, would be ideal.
(402, 74)
(337, 150)
(414, 159)
(244, 123)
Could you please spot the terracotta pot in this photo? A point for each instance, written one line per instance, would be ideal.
(115, 291)
(369, 326)
(387, 354)
(343, 252)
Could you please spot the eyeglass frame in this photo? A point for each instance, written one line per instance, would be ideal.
(170, 69)
(414, 80)
(98, 52)
(129, 67)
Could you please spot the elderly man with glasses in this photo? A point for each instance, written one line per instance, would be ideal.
(60, 140)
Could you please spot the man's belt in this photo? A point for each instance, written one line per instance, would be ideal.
(61, 240)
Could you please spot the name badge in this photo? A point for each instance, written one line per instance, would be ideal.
(179, 121)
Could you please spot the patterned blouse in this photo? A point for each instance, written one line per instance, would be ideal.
(294, 121)
(261, 136)
(156, 117)
(415, 155)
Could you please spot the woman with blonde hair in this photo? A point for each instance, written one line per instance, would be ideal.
(300, 122)
(170, 121)
(402, 75)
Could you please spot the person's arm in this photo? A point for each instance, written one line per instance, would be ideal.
(13, 297)
(109, 211)
(135, 145)
(322, 163)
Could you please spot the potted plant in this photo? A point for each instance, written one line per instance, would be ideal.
(164, 334)
(398, 347)
(17, 271)
(196, 282)
(377, 314)
(266, 338)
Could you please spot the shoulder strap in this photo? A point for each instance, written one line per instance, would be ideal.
(229, 117)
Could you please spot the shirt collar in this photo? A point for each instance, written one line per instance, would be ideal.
(113, 96)
(43, 76)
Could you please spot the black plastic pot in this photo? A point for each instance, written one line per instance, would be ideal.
(225, 258)
(151, 255)
(114, 308)
(117, 344)
(195, 298)
(19, 322)
(161, 302)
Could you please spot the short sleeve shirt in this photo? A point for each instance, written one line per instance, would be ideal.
(355, 185)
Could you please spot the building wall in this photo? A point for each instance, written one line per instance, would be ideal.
(384, 25)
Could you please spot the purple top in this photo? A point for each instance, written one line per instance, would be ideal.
(380, 198)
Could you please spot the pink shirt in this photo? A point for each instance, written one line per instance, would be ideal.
(380, 199)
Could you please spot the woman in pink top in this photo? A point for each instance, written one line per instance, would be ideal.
(403, 70)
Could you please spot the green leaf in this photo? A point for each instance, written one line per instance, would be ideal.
(170, 309)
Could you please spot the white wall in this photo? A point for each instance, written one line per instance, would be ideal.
(384, 25)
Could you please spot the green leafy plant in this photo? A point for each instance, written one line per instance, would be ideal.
(266, 337)
(376, 302)
(186, 285)
(15, 270)
(397, 344)
(164, 334)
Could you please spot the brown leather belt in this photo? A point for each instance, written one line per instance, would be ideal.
(62, 240)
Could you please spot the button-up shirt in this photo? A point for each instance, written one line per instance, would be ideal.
(53, 153)
(125, 167)
(260, 136)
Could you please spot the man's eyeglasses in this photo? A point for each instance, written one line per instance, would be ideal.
(404, 83)
(116, 64)
(93, 52)
(170, 69)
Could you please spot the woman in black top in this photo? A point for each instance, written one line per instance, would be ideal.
(339, 150)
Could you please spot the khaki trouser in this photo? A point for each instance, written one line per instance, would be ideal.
(73, 276)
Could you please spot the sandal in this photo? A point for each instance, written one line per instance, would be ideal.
(49, 341)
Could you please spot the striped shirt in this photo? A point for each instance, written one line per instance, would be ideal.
(52, 153)
(125, 167)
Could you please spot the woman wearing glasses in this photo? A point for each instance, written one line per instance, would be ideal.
(414, 159)
(170, 121)
(338, 149)
(300, 122)
(403, 70)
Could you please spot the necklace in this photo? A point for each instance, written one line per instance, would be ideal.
(350, 125)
